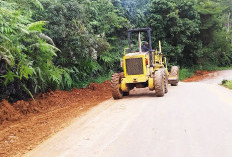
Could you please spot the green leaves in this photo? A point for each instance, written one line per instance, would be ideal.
(38, 4)
(6, 55)
(55, 76)
(37, 26)
(68, 82)
(176, 24)
(191, 31)
(26, 54)
(82, 31)
(25, 70)
(61, 44)
(9, 77)
(216, 43)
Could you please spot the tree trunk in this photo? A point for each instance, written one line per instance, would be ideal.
(231, 38)
(229, 25)
(228, 22)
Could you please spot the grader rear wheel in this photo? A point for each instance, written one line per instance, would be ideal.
(175, 72)
(159, 83)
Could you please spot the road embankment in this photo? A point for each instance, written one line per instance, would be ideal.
(25, 124)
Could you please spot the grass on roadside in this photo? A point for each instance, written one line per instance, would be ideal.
(185, 73)
(227, 83)
(214, 68)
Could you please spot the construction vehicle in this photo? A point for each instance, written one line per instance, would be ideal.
(143, 69)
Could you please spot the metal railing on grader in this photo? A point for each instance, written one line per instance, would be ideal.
(143, 69)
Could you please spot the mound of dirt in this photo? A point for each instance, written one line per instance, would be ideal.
(25, 124)
(8, 112)
(199, 75)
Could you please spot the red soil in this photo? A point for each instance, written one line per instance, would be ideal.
(25, 124)
(199, 75)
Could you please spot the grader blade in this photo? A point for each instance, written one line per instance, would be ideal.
(173, 77)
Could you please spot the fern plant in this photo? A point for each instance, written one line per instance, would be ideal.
(27, 53)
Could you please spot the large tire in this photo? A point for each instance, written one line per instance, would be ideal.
(165, 76)
(175, 72)
(121, 74)
(125, 93)
(159, 83)
(115, 82)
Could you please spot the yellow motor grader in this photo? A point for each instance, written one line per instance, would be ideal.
(143, 69)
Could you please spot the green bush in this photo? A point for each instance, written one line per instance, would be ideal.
(185, 73)
(26, 54)
(227, 84)
(88, 33)
(176, 24)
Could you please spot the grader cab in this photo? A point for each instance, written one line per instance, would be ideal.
(143, 69)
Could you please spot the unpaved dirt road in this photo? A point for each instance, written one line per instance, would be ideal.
(192, 120)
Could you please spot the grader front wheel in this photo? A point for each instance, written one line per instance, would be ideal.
(115, 86)
(159, 83)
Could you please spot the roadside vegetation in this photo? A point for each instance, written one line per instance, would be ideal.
(61, 44)
(190, 71)
(185, 73)
(227, 83)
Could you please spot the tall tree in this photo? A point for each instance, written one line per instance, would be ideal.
(176, 24)
(216, 48)
(134, 10)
